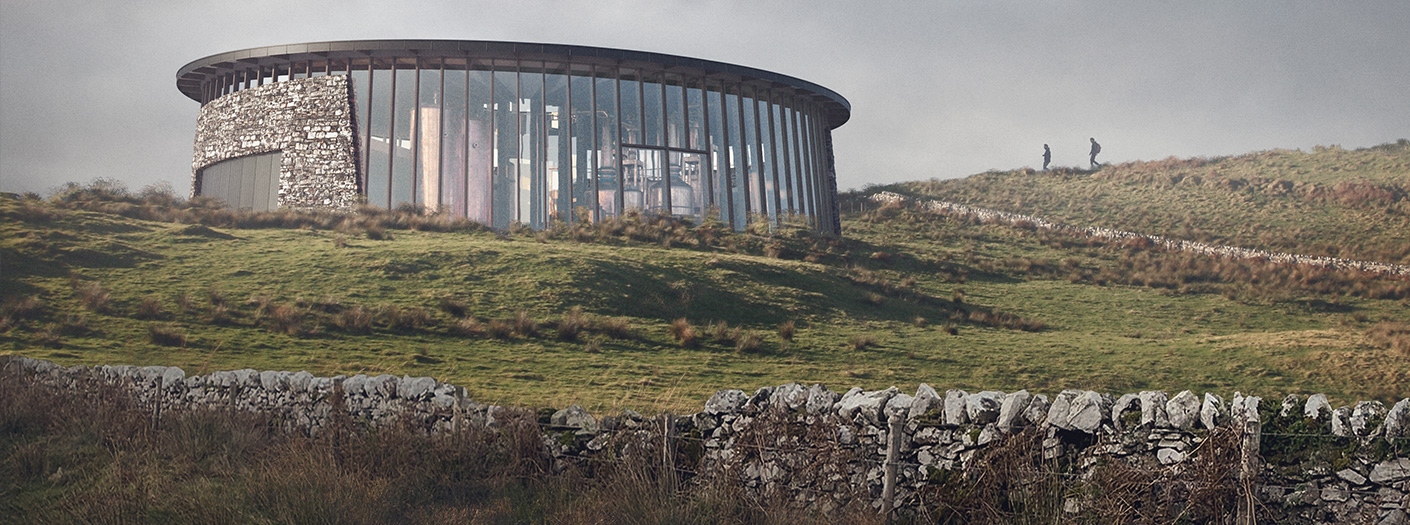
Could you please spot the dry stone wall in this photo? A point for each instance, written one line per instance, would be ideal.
(1107, 234)
(310, 120)
(1300, 460)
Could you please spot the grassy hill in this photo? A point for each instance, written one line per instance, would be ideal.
(654, 314)
(1331, 201)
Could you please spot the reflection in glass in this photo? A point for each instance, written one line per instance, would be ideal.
(606, 122)
(454, 161)
(506, 143)
(530, 160)
(557, 166)
(379, 149)
(479, 145)
(651, 114)
(582, 127)
(403, 121)
(428, 140)
(531, 142)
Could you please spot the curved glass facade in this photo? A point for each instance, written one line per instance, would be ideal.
(505, 139)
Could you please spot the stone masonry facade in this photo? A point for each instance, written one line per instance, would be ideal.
(309, 120)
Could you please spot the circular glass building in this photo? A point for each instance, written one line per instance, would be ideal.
(504, 132)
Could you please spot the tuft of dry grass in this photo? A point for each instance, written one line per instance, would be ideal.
(860, 341)
(150, 308)
(93, 296)
(285, 319)
(787, 329)
(355, 320)
(166, 334)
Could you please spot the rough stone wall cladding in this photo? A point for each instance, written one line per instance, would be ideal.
(309, 119)
(819, 447)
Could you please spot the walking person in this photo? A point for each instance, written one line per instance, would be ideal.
(1047, 157)
(1096, 148)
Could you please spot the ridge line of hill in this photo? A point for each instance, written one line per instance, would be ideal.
(1236, 252)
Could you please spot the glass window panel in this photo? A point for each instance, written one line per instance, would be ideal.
(718, 177)
(652, 115)
(428, 140)
(675, 115)
(606, 117)
(479, 146)
(785, 157)
(738, 198)
(631, 110)
(751, 154)
(582, 128)
(531, 150)
(799, 140)
(360, 100)
(506, 144)
(687, 182)
(454, 161)
(695, 119)
(557, 164)
(767, 157)
(404, 113)
(380, 140)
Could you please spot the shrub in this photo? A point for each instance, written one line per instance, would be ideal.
(468, 327)
(150, 308)
(404, 319)
(165, 334)
(500, 329)
(93, 296)
(24, 307)
(571, 325)
(787, 329)
(721, 333)
(684, 333)
(453, 307)
(285, 319)
(183, 302)
(217, 297)
(355, 320)
(748, 341)
(220, 315)
(617, 327)
(594, 344)
(524, 324)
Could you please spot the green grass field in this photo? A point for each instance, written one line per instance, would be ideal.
(1343, 203)
(904, 298)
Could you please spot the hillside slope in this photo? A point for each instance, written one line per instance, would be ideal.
(1353, 204)
(589, 315)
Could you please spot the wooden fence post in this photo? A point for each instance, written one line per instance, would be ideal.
(1252, 427)
(893, 449)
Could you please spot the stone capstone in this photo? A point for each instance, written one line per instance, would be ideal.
(1212, 412)
(1317, 407)
(1397, 422)
(1011, 410)
(726, 402)
(983, 408)
(1183, 410)
(925, 402)
(955, 407)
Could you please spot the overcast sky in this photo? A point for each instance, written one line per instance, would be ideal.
(938, 88)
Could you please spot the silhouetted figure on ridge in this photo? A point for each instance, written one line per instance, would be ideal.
(1096, 148)
(1047, 157)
